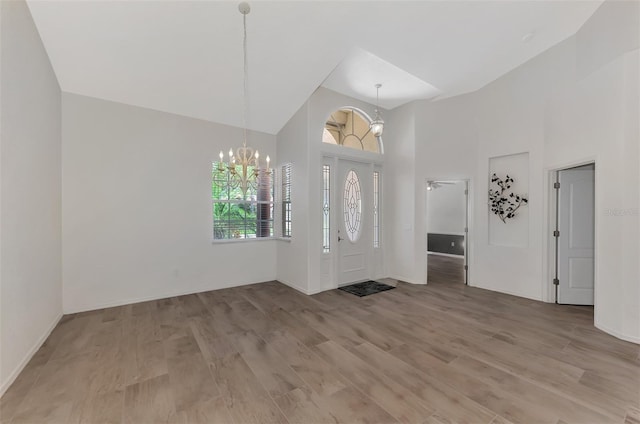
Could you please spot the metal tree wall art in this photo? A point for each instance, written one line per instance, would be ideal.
(504, 203)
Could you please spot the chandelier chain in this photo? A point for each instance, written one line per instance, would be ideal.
(245, 72)
(243, 168)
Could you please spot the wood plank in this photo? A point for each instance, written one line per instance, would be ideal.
(492, 396)
(302, 332)
(174, 322)
(299, 408)
(149, 401)
(438, 395)
(351, 406)
(61, 382)
(315, 372)
(562, 407)
(184, 345)
(212, 345)
(267, 365)
(117, 313)
(632, 416)
(191, 381)
(98, 408)
(144, 361)
(264, 353)
(211, 411)
(244, 396)
(13, 397)
(398, 401)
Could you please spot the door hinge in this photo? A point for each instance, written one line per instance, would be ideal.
(556, 185)
(556, 281)
(466, 267)
(466, 192)
(466, 229)
(556, 233)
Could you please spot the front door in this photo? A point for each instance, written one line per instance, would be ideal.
(355, 221)
(576, 238)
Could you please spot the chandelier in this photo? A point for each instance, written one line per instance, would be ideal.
(377, 125)
(242, 170)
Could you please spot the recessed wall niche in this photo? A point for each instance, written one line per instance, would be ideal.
(515, 231)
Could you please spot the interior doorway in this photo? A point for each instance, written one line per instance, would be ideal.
(447, 231)
(575, 235)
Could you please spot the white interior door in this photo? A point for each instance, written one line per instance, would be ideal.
(576, 239)
(354, 198)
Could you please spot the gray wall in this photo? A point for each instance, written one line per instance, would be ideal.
(30, 193)
(445, 243)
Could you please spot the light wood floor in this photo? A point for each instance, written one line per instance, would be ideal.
(439, 353)
(445, 269)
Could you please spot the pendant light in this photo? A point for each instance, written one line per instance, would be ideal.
(377, 125)
(244, 166)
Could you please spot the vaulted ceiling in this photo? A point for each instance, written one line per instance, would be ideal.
(185, 57)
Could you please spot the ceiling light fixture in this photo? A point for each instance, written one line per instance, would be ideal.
(432, 185)
(377, 125)
(243, 167)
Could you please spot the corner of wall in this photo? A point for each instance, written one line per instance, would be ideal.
(4, 386)
(615, 333)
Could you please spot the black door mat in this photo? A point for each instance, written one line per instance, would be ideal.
(366, 288)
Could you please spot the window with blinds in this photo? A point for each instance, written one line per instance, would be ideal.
(286, 200)
(238, 215)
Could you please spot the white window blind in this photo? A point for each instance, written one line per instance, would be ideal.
(237, 215)
(286, 200)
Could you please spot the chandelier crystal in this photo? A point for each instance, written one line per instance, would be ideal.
(377, 125)
(243, 169)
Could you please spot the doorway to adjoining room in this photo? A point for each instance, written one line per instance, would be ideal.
(574, 234)
(447, 231)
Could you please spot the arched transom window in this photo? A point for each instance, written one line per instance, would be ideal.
(349, 127)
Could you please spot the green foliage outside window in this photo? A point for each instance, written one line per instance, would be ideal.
(236, 216)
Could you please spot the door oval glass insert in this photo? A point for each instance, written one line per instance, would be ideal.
(352, 206)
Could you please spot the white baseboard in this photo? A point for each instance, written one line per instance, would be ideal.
(114, 303)
(316, 291)
(295, 287)
(408, 280)
(18, 369)
(448, 255)
(616, 334)
(509, 292)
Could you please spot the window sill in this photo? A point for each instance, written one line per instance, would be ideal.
(286, 239)
(243, 240)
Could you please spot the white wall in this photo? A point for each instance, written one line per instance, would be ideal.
(598, 114)
(401, 225)
(300, 262)
(576, 102)
(137, 216)
(446, 148)
(446, 209)
(30, 211)
(293, 254)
